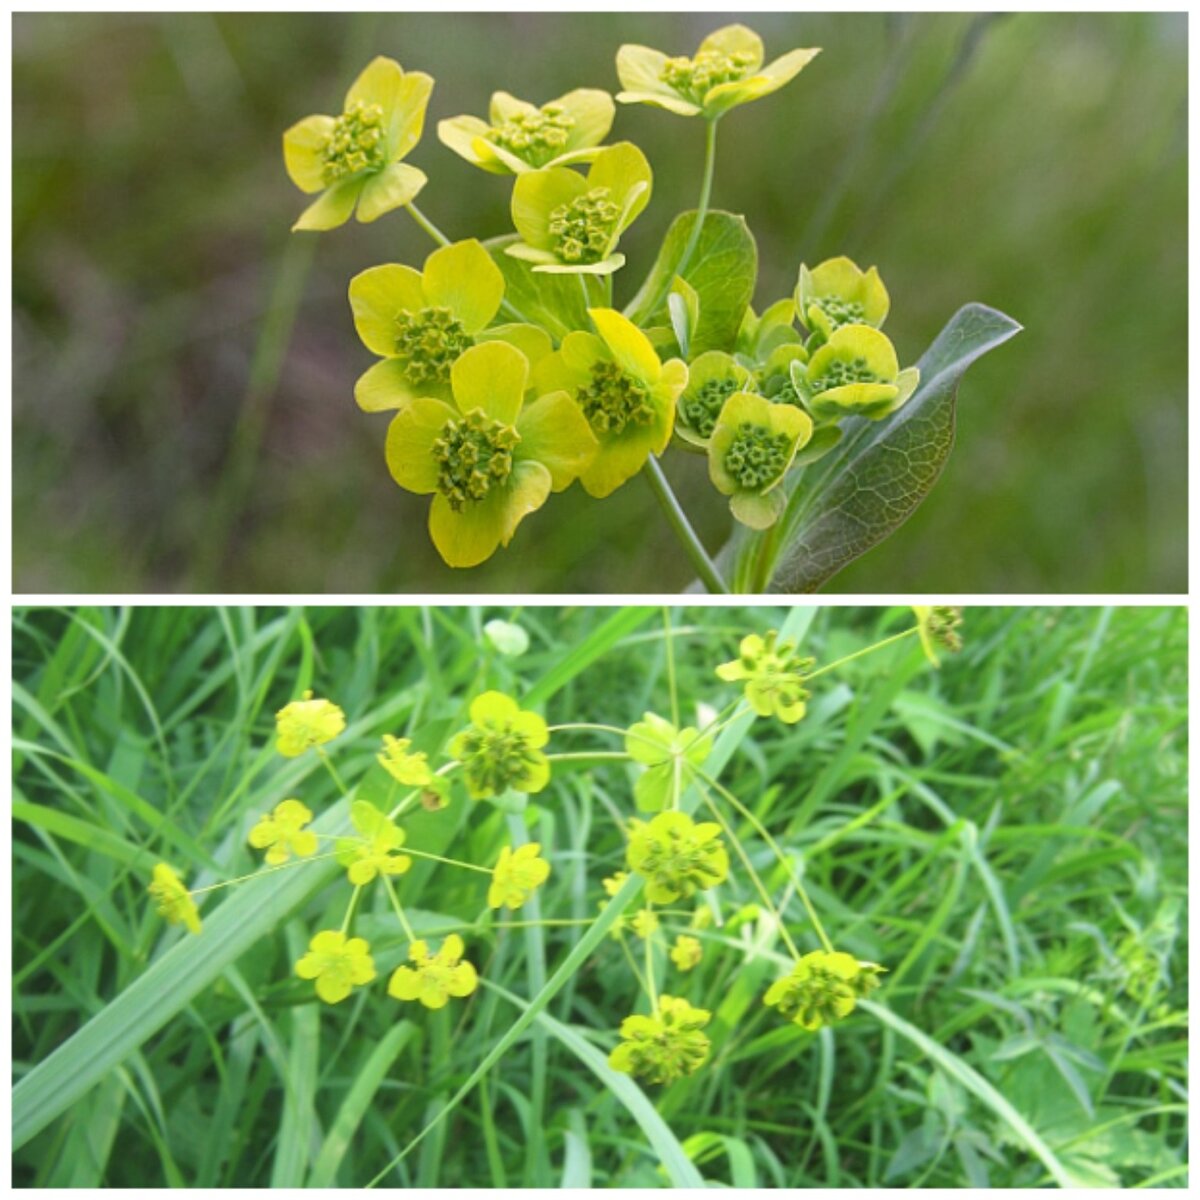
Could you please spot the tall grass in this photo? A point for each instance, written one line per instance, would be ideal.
(1007, 835)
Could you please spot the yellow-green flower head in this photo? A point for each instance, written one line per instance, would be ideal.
(666, 752)
(282, 834)
(433, 979)
(938, 625)
(676, 856)
(686, 953)
(614, 883)
(420, 322)
(837, 293)
(519, 137)
(409, 769)
(356, 158)
(750, 451)
(712, 378)
(663, 1047)
(758, 336)
(854, 374)
(571, 223)
(822, 988)
(489, 459)
(726, 71)
(517, 875)
(502, 749)
(645, 923)
(773, 379)
(625, 392)
(338, 964)
(172, 901)
(774, 676)
(306, 723)
(374, 852)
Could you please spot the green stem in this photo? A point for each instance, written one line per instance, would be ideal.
(427, 225)
(350, 908)
(865, 650)
(765, 559)
(337, 779)
(710, 162)
(650, 988)
(591, 756)
(453, 862)
(391, 891)
(296, 862)
(666, 614)
(682, 528)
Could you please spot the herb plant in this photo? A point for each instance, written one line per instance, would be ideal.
(511, 372)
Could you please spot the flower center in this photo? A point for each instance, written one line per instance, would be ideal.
(694, 77)
(428, 342)
(822, 995)
(535, 137)
(757, 456)
(614, 399)
(841, 372)
(583, 228)
(496, 759)
(840, 312)
(703, 406)
(473, 455)
(680, 860)
(356, 143)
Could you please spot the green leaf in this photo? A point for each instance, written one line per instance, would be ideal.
(556, 302)
(881, 470)
(721, 271)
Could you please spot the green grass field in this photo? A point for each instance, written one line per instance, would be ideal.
(1007, 835)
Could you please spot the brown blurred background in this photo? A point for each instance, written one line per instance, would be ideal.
(183, 366)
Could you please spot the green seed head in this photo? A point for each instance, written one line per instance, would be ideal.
(614, 399)
(474, 455)
(840, 312)
(693, 78)
(496, 759)
(840, 372)
(535, 137)
(356, 143)
(583, 228)
(757, 457)
(702, 405)
(428, 342)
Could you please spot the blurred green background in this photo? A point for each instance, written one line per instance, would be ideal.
(183, 366)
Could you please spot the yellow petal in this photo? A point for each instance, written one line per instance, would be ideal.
(377, 296)
(389, 189)
(463, 278)
(303, 147)
(491, 377)
(410, 440)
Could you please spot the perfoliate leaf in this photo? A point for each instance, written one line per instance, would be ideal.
(721, 270)
(874, 479)
(553, 301)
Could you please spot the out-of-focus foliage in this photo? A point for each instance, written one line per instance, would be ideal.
(174, 429)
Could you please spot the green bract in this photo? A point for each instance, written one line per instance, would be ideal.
(676, 856)
(373, 852)
(758, 336)
(354, 159)
(837, 293)
(774, 676)
(726, 71)
(502, 749)
(626, 393)
(520, 137)
(855, 373)
(570, 222)
(490, 459)
(669, 754)
(419, 322)
(751, 449)
(712, 379)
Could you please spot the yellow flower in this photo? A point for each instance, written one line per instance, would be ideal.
(338, 964)
(412, 770)
(726, 71)
(937, 625)
(282, 834)
(373, 853)
(676, 856)
(774, 675)
(822, 988)
(613, 884)
(355, 158)
(663, 1047)
(434, 979)
(686, 952)
(502, 748)
(645, 923)
(305, 723)
(172, 901)
(517, 875)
